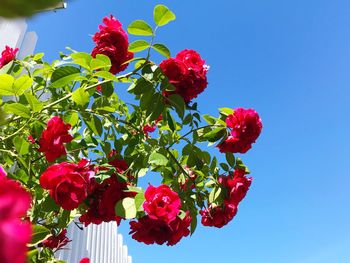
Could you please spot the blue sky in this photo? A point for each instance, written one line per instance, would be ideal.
(290, 60)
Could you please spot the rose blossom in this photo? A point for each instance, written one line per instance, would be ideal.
(7, 55)
(56, 242)
(14, 233)
(161, 203)
(113, 42)
(67, 183)
(150, 231)
(245, 126)
(52, 139)
(237, 187)
(187, 73)
(84, 260)
(151, 128)
(218, 216)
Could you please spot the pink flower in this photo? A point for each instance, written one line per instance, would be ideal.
(245, 126)
(53, 138)
(150, 231)
(7, 55)
(236, 187)
(2, 172)
(112, 41)
(67, 183)
(187, 73)
(162, 203)
(56, 242)
(151, 128)
(14, 233)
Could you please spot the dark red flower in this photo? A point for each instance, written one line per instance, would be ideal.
(56, 242)
(53, 138)
(162, 203)
(31, 139)
(68, 183)
(7, 55)
(84, 260)
(187, 73)
(14, 233)
(151, 128)
(113, 42)
(236, 187)
(245, 126)
(218, 216)
(150, 231)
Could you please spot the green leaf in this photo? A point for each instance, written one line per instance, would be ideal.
(40, 233)
(5, 69)
(80, 96)
(226, 111)
(139, 199)
(225, 166)
(82, 59)
(157, 159)
(209, 119)
(6, 83)
(21, 84)
(161, 49)
(64, 75)
(126, 208)
(140, 28)
(21, 145)
(100, 62)
(34, 103)
(230, 158)
(71, 117)
(95, 125)
(138, 46)
(17, 109)
(215, 134)
(179, 104)
(214, 195)
(162, 15)
(106, 75)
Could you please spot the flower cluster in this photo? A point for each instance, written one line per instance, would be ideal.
(235, 187)
(162, 222)
(112, 41)
(7, 55)
(53, 138)
(105, 195)
(245, 126)
(14, 233)
(187, 73)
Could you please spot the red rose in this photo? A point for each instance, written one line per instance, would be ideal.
(14, 233)
(218, 216)
(7, 55)
(112, 41)
(84, 260)
(162, 203)
(151, 128)
(67, 183)
(53, 138)
(56, 242)
(187, 72)
(245, 126)
(150, 231)
(237, 187)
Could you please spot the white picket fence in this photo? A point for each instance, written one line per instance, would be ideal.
(101, 243)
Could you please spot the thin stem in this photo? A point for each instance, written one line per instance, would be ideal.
(177, 162)
(18, 131)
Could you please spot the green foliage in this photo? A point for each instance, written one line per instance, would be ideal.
(21, 8)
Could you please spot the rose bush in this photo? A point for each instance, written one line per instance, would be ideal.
(84, 154)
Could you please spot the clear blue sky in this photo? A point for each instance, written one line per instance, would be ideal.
(290, 60)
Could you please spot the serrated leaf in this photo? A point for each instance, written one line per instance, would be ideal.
(230, 158)
(139, 199)
(162, 49)
(215, 134)
(179, 104)
(106, 75)
(140, 28)
(209, 119)
(21, 84)
(157, 159)
(64, 75)
(17, 109)
(226, 111)
(100, 62)
(162, 15)
(80, 96)
(34, 103)
(138, 46)
(21, 145)
(6, 83)
(72, 118)
(126, 208)
(40, 233)
(95, 125)
(82, 59)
